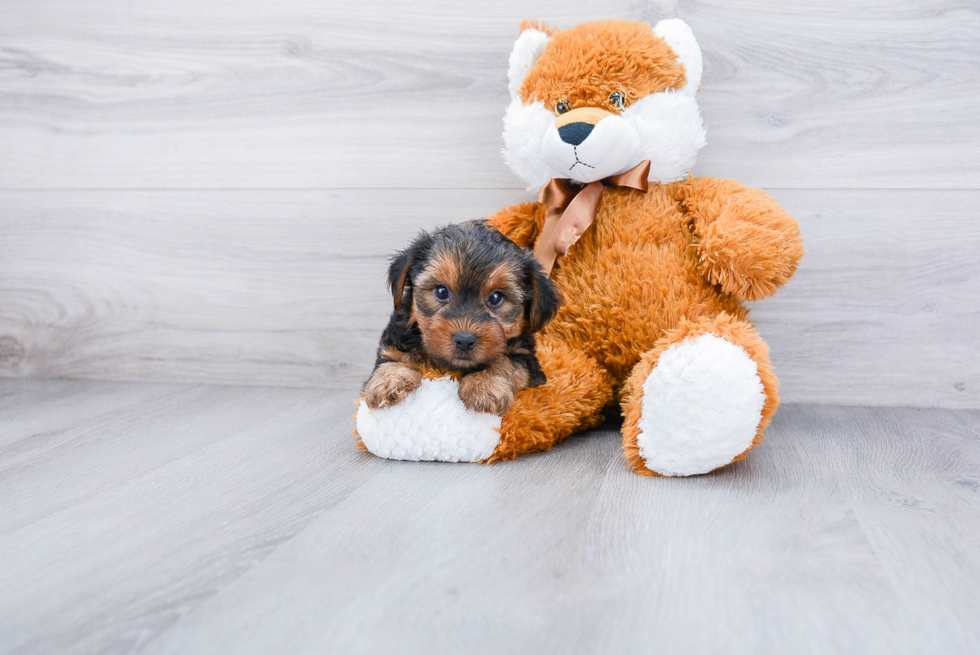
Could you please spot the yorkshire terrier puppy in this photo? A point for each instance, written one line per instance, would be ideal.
(468, 300)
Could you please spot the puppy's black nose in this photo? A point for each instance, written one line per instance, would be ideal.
(575, 133)
(465, 341)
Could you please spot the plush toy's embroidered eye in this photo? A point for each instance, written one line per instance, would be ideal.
(441, 292)
(495, 299)
(562, 107)
(617, 100)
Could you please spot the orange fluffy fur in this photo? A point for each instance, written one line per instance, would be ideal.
(634, 64)
(653, 269)
(736, 330)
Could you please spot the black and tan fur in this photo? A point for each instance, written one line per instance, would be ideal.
(445, 287)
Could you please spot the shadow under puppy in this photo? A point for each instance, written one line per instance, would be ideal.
(468, 301)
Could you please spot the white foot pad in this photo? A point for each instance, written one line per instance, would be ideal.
(431, 424)
(701, 407)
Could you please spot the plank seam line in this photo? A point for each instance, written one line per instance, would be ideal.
(327, 189)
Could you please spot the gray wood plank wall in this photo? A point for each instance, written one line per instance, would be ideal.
(206, 191)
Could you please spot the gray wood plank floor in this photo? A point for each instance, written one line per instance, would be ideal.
(160, 518)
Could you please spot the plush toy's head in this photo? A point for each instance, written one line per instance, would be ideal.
(600, 98)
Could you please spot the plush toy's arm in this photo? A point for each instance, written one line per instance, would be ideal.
(520, 223)
(747, 243)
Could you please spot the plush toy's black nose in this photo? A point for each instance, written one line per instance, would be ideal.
(575, 133)
(465, 341)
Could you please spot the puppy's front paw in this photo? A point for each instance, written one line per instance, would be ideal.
(389, 384)
(487, 393)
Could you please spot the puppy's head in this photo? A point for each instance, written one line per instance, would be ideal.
(470, 290)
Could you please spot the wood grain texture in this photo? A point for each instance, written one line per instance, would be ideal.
(330, 121)
(88, 535)
(885, 308)
(302, 94)
(287, 288)
(177, 519)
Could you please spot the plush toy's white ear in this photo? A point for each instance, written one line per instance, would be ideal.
(680, 38)
(527, 50)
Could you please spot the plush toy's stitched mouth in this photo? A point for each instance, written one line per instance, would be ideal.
(577, 160)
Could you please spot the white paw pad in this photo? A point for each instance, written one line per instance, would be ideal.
(701, 407)
(431, 424)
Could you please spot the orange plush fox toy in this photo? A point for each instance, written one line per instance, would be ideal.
(653, 265)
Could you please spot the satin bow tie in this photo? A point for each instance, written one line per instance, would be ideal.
(572, 207)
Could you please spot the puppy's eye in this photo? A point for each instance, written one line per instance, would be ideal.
(562, 107)
(617, 100)
(441, 292)
(495, 299)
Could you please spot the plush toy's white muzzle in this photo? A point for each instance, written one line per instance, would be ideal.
(586, 153)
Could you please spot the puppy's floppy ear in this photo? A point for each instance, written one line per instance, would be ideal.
(399, 271)
(543, 299)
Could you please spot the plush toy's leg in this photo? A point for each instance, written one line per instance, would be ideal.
(430, 424)
(699, 399)
(572, 399)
